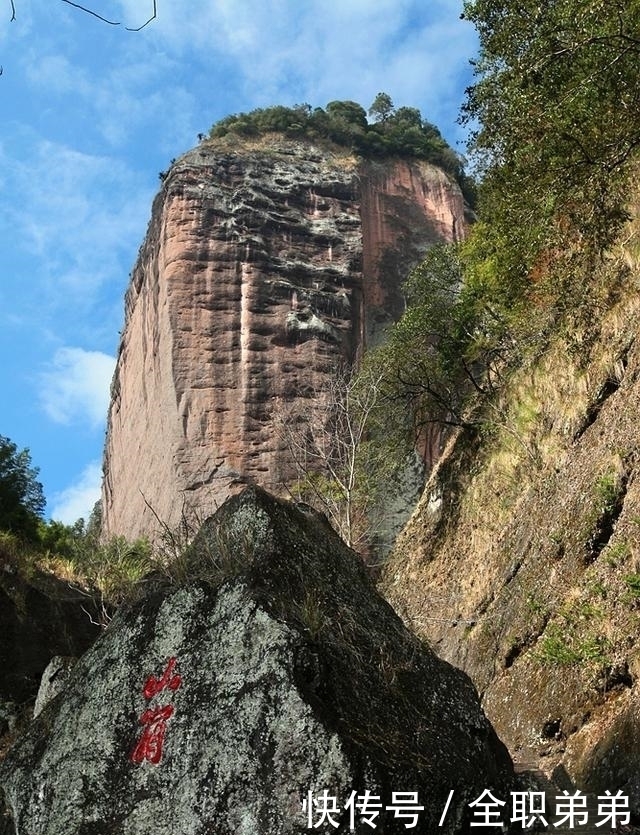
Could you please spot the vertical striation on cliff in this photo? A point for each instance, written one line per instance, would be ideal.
(265, 266)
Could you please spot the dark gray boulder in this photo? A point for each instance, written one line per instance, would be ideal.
(274, 670)
(53, 680)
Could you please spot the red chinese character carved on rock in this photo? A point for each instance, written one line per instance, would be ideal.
(150, 744)
(154, 685)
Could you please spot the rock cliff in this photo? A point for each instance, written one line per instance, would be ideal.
(225, 703)
(521, 564)
(265, 266)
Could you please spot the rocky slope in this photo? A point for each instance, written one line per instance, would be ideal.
(225, 703)
(521, 564)
(264, 267)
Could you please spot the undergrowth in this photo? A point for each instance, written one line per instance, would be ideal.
(115, 571)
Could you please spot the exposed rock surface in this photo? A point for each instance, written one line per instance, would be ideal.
(265, 266)
(521, 563)
(285, 673)
(39, 618)
(53, 680)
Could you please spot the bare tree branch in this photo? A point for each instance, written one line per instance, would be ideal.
(99, 16)
(95, 14)
(153, 17)
(327, 441)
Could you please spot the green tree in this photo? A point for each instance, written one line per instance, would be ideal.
(59, 539)
(556, 103)
(449, 344)
(381, 108)
(350, 112)
(21, 497)
(347, 122)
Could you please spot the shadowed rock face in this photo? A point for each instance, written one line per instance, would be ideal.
(285, 673)
(39, 618)
(6, 824)
(264, 267)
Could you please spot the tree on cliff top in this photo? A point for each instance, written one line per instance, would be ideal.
(395, 132)
(381, 108)
(21, 497)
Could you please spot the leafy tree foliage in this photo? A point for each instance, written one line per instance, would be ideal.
(21, 497)
(401, 131)
(555, 118)
(446, 346)
(73, 542)
(381, 108)
(60, 539)
(557, 101)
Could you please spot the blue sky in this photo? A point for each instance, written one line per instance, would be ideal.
(91, 113)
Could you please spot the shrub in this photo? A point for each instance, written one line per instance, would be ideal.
(448, 345)
(400, 131)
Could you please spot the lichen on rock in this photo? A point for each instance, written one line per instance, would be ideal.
(289, 674)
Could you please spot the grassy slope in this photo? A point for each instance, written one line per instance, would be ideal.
(522, 562)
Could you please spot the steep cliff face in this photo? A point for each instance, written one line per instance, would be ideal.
(521, 564)
(264, 267)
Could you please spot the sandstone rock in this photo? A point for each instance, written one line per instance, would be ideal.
(218, 705)
(265, 266)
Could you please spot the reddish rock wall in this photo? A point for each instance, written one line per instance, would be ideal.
(264, 267)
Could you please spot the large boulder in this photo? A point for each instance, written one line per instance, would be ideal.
(273, 670)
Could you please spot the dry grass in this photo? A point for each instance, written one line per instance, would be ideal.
(448, 563)
(273, 142)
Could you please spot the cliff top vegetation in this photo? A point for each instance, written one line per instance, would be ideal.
(392, 131)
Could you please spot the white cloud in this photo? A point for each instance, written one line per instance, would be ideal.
(283, 51)
(57, 73)
(126, 101)
(77, 500)
(63, 210)
(71, 231)
(75, 388)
